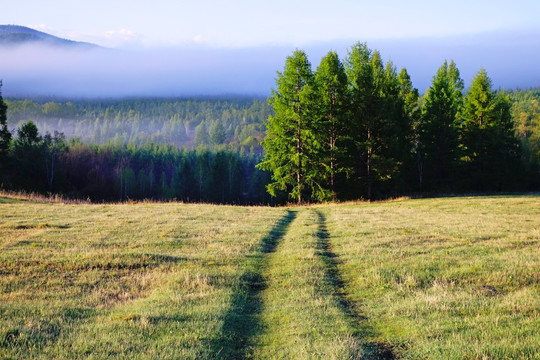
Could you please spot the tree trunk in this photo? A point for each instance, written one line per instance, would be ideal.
(420, 167)
(299, 172)
(51, 178)
(332, 165)
(368, 165)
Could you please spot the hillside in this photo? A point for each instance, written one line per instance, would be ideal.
(13, 35)
(448, 278)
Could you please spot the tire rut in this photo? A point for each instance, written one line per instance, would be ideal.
(242, 320)
(333, 276)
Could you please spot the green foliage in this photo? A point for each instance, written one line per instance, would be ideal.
(353, 129)
(54, 146)
(489, 148)
(411, 113)
(36, 159)
(115, 172)
(333, 105)
(217, 133)
(27, 136)
(5, 135)
(361, 130)
(291, 143)
(27, 150)
(378, 120)
(526, 116)
(201, 135)
(438, 137)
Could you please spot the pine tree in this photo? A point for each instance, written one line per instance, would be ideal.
(377, 120)
(5, 135)
(291, 144)
(360, 76)
(28, 155)
(438, 138)
(394, 132)
(201, 134)
(489, 146)
(217, 133)
(411, 111)
(332, 100)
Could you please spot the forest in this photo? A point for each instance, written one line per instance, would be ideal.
(187, 123)
(350, 129)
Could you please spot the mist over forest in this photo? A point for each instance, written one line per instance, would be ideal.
(37, 70)
(238, 122)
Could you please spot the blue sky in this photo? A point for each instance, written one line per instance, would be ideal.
(203, 47)
(247, 23)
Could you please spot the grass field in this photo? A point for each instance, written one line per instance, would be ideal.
(448, 278)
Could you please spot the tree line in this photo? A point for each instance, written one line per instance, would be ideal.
(112, 172)
(50, 163)
(359, 129)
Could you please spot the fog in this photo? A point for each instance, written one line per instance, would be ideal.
(511, 60)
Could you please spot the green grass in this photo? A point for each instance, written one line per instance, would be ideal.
(453, 278)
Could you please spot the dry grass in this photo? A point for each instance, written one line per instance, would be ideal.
(146, 280)
(453, 278)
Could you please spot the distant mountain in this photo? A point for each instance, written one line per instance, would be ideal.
(14, 35)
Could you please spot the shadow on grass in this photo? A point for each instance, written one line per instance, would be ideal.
(333, 277)
(41, 332)
(241, 323)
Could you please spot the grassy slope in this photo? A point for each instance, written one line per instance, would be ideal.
(121, 280)
(439, 278)
(445, 278)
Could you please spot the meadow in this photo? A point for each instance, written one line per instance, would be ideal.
(444, 278)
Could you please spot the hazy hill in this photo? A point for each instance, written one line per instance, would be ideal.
(13, 35)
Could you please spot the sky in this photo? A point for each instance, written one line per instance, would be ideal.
(236, 46)
(241, 23)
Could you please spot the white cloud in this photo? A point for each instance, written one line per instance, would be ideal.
(110, 38)
(43, 27)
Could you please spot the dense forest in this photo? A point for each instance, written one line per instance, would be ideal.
(188, 123)
(352, 128)
(159, 163)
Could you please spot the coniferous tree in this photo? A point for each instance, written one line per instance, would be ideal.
(393, 132)
(438, 138)
(377, 120)
(201, 134)
(291, 144)
(360, 77)
(27, 151)
(411, 111)
(5, 135)
(490, 149)
(53, 146)
(332, 100)
(217, 133)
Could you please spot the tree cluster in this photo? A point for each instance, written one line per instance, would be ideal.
(358, 129)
